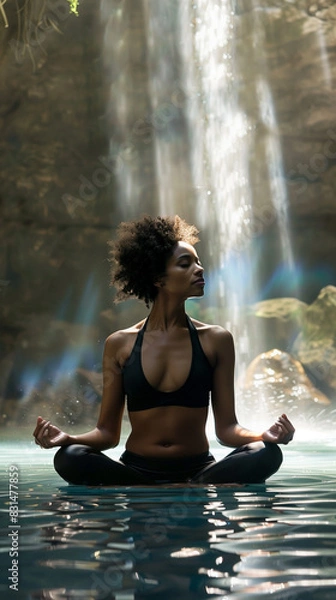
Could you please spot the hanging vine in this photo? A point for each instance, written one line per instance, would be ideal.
(33, 19)
(3, 12)
(28, 7)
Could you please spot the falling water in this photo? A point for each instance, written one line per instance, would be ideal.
(200, 138)
(324, 58)
(220, 139)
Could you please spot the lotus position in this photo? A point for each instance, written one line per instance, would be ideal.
(165, 368)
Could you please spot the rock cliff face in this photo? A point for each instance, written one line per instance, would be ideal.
(294, 52)
(58, 184)
(55, 201)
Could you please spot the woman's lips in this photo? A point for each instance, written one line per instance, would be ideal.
(199, 282)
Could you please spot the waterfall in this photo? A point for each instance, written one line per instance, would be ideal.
(195, 133)
(220, 138)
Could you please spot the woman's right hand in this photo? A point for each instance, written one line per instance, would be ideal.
(49, 436)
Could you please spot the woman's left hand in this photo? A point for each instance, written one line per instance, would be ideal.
(281, 432)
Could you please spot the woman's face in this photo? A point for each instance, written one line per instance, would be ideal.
(184, 273)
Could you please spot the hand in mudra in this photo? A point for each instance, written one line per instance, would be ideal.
(49, 436)
(282, 432)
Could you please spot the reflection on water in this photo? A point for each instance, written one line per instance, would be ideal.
(174, 542)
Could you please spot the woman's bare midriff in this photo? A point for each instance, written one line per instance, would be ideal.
(170, 431)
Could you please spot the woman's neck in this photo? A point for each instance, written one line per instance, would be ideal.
(166, 315)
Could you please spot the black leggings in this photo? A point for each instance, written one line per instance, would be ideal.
(82, 465)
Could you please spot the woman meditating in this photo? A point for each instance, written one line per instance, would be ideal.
(165, 368)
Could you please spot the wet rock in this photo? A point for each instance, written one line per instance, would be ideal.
(275, 381)
(315, 347)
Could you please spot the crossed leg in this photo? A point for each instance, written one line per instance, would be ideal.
(82, 465)
(252, 463)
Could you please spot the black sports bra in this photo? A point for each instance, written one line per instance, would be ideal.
(194, 393)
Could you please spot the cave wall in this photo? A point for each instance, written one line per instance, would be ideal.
(295, 52)
(57, 120)
(56, 185)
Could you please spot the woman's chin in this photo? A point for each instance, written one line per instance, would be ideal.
(197, 293)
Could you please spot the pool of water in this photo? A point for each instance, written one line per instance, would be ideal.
(176, 542)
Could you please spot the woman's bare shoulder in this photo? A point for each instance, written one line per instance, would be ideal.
(211, 329)
(215, 339)
(123, 336)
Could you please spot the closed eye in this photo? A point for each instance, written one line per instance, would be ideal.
(185, 261)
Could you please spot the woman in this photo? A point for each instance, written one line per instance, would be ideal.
(165, 368)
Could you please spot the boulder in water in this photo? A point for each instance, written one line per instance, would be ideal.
(315, 347)
(275, 380)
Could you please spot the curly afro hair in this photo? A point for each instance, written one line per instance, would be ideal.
(141, 251)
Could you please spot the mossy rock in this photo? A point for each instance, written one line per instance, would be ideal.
(315, 347)
(276, 323)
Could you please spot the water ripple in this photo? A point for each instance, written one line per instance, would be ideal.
(180, 542)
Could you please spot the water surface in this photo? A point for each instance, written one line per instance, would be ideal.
(180, 542)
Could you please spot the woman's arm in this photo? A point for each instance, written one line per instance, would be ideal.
(228, 430)
(106, 434)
